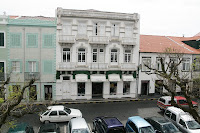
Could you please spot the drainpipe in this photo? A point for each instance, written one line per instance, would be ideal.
(137, 81)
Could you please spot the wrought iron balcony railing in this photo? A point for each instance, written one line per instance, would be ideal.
(31, 75)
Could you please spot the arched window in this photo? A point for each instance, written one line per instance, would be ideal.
(81, 55)
(113, 55)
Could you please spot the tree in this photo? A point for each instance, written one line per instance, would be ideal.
(168, 70)
(13, 100)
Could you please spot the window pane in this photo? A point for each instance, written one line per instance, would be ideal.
(1, 39)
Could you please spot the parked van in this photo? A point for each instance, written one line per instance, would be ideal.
(165, 101)
(184, 121)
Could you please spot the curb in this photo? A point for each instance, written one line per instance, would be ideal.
(89, 102)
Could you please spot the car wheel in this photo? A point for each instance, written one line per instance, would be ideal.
(46, 122)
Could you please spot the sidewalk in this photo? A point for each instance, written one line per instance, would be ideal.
(98, 100)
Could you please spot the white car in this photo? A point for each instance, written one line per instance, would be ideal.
(78, 125)
(59, 113)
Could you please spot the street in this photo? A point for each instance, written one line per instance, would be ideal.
(121, 110)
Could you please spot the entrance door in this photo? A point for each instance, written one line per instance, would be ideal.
(158, 87)
(144, 87)
(97, 90)
(33, 92)
(48, 92)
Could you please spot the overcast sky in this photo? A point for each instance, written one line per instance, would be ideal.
(158, 17)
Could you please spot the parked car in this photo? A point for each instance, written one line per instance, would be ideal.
(165, 101)
(78, 125)
(183, 120)
(162, 125)
(49, 128)
(59, 113)
(108, 125)
(136, 124)
(21, 128)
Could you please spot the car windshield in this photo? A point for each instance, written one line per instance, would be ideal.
(169, 128)
(117, 130)
(192, 125)
(146, 130)
(80, 131)
(67, 110)
(182, 101)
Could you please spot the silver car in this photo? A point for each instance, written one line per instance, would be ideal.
(78, 125)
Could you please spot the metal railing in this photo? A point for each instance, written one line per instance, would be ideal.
(31, 75)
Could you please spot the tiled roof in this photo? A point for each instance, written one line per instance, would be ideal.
(158, 44)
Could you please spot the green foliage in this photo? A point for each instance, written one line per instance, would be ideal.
(1, 100)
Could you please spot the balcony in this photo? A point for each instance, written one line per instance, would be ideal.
(128, 41)
(67, 39)
(98, 40)
(128, 66)
(31, 75)
(98, 66)
(66, 66)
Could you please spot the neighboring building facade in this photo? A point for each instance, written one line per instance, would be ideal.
(152, 48)
(96, 54)
(31, 44)
(3, 47)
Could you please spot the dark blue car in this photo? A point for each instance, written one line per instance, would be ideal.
(108, 125)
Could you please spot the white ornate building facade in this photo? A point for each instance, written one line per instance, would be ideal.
(96, 54)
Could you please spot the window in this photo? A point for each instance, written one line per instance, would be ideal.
(32, 40)
(168, 113)
(96, 29)
(32, 66)
(66, 28)
(2, 67)
(81, 88)
(146, 62)
(15, 39)
(66, 54)
(16, 66)
(173, 117)
(53, 113)
(113, 88)
(62, 113)
(126, 87)
(2, 39)
(94, 55)
(48, 40)
(48, 92)
(133, 126)
(66, 77)
(82, 29)
(101, 50)
(158, 64)
(182, 123)
(113, 55)
(127, 56)
(114, 30)
(81, 55)
(186, 64)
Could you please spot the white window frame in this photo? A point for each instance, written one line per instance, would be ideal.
(15, 66)
(158, 64)
(115, 29)
(95, 53)
(4, 39)
(127, 56)
(82, 28)
(81, 53)
(113, 55)
(146, 60)
(186, 64)
(129, 31)
(32, 66)
(66, 53)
